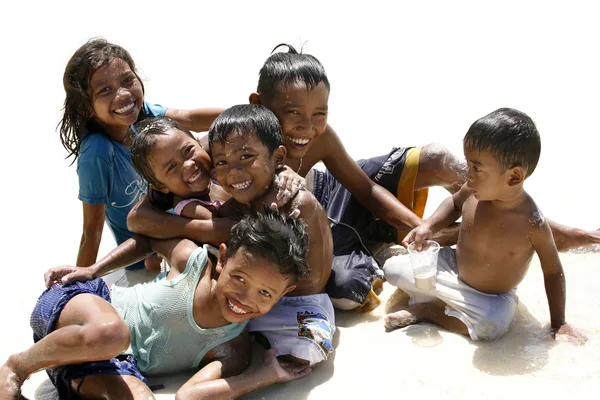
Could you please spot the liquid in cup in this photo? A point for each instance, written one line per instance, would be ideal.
(424, 263)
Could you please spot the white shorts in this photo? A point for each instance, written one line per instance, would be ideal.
(301, 326)
(487, 316)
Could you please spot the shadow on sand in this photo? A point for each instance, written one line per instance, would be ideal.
(523, 350)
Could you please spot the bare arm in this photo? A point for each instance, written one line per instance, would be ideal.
(197, 120)
(223, 377)
(374, 197)
(93, 224)
(148, 220)
(448, 211)
(554, 279)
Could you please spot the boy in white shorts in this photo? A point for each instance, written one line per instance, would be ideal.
(501, 229)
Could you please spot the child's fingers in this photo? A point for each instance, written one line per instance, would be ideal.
(295, 213)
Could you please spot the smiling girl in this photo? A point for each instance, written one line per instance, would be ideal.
(104, 97)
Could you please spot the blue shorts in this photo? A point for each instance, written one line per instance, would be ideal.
(353, 226)
(43, 319)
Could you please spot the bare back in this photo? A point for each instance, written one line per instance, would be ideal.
(494, 245)
(320, 248)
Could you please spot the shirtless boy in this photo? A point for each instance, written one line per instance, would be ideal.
(246, 147)
(501, 229)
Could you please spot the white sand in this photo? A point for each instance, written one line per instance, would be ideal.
(406, 74)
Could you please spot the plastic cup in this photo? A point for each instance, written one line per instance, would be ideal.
(424, 263)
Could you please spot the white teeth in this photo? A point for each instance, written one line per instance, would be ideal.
(297, 140)
(241, 186)
(195, 177)
(235, 308)
(124, 109)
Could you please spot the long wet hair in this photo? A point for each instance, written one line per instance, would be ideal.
(78, 107)
(288, 68)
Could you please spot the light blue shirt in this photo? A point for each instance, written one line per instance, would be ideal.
(165, 338)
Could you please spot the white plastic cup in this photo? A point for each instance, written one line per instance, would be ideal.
(424, 263)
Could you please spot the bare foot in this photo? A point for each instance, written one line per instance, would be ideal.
(399, 319)
(10, 384)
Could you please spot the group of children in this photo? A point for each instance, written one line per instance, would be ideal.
(236, 265)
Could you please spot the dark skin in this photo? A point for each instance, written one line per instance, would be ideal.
(502, 229)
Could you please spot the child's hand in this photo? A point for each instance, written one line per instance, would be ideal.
(286, 186)
(67, 274)
(571, 334)
(285, 371)
(418, 235)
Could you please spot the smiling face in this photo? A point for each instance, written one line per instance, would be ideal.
(180, 164)
(485, 176)
(117, 97)
(248, 285)
(243, 167)
(302, 114)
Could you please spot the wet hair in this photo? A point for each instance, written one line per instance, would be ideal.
(77, 115)
(148, 131)
(274, 236)
(281, 70)
(246, 120)
(508, 135)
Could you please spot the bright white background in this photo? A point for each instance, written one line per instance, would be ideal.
(402, 73)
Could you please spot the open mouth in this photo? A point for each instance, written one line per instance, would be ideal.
(300, 142)
(195, 176)
(241, 185)
(126, 109)
(236, 309)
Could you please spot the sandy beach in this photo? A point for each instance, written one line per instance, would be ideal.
(401, 74)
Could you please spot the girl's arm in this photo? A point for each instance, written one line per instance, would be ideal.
(198, 120)
(151, 221)
(93, 223)
(224, 377)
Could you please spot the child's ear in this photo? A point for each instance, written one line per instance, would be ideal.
(288, 289)
(254, 98)
(279, 156)
(222, 258)
(517, 176)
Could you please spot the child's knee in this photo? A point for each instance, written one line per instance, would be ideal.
(108, 338)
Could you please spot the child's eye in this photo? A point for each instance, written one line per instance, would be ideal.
(245, 156)
(295, 112)
(171, 167)
(187, 150)
(104, 90)
(239, 278)
(265, 293)
(219, 163)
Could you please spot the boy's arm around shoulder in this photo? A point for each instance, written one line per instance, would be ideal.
(554, 277)
(197, 120)
(146, 219)
(224, 377)
(374, 197)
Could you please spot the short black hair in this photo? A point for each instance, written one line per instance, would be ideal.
(245, 120)
(276, 237)
(147, 131)
(284, 69)
(509, 135)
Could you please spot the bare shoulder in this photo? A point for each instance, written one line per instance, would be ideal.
(325, 146)
(307, 203)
